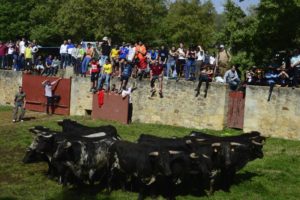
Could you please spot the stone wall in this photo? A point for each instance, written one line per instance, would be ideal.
(9, 86)
(81, 98)
(180, 107)
(280, 117)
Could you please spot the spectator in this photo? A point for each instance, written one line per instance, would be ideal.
(28, 58)
(141, 59)
(200, 55)
(55, 65)
(231, 77)
(295, 68)
(95, 69)
(163, 55)
(126, 73)
(190, 65)
(22, 48)
(48, 62)
(70, 48)
(153, 56)
(131, 53)
(10, 56)
(271, 79)
(283, 78)
(171, 63)
(39, 65)
(205, 76)
(3, 52)
(89, 53)
(223, 59)
(105, 75)
(34, 50)
(16, 57)
(20, 102)
(49, 94)
(123, 53)
(78, 54)
(156, 73)
(105, 50)
(127, 92)
(181, 60)
(64, 55)
(114, 59)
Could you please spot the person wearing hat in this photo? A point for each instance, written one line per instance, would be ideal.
(223, 59)
(19, 102)
(105, 50)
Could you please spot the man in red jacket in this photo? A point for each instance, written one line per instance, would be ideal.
(156, 73)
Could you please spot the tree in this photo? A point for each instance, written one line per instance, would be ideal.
(190, 21)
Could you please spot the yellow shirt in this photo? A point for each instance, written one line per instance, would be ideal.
(107, 68)
(28, 53)
(114, 53)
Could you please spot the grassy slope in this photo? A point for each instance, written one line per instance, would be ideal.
(277, 176)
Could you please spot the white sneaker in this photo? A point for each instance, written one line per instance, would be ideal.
(21, 120)
(13, 121)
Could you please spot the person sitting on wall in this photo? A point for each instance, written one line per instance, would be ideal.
(231, 77)
(125, 75)
(19, 102)
(49, 94)
(156, 73)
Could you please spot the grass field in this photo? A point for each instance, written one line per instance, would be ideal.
(275, 177)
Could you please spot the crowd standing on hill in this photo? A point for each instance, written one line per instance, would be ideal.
(103, 61)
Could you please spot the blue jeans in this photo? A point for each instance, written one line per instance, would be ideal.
(171, 63)
(104, 78)
(102, 60)
(189, 68)
(2, 58)
(15, 62)
(84, 65)
(64, 60)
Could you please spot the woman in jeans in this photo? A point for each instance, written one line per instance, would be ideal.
(89, 53)
(171, 64)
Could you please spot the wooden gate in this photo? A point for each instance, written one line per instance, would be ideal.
(236, 106)
(114, 108)
(35, 94)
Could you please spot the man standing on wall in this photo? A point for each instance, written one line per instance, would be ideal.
(223, 59)
(49, 94)
(19, 103)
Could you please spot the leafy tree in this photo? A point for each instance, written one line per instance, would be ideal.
(190, 21)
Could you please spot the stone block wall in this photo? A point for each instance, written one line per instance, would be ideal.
(9, 86)
(279, 117)
(180, 107)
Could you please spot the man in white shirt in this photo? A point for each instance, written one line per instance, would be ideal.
(64, 55)
(49, 94)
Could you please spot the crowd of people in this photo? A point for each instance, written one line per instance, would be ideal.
(103, 61)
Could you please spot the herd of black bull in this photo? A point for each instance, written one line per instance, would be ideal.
(152, 166)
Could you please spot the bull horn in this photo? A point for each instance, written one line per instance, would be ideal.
(257, 143)
(200, 140)
(152, 180)
(173, 152)
(46, 136)
(205, 156)
(193, 155)
(67, 145)
(217, 144)
(188, 141)
(154, 153)
(235, 144)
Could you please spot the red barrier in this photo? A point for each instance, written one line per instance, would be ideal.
(114, 108)
(236, 106)
(35, 94)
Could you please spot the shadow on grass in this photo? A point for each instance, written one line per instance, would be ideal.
(29, 118)
(82, 193)
(243, 177)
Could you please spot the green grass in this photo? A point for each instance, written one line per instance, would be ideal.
(276, 176)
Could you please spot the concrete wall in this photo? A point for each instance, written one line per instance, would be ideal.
(280, 117)
(9, 86)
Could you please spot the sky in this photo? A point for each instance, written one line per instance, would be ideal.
(245, 4)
